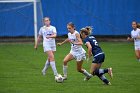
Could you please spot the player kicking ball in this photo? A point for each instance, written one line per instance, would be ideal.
(76, 52)
(98, 54)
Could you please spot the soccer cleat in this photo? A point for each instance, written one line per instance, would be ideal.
(64, 77)
(110, 72)
(87, 78)
(43, 72)
(107, 83)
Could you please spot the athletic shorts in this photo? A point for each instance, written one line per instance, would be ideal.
(49, 48)
(78, 56)
(99, 58)
(137, 47)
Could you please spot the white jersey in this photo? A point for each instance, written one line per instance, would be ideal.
(75, 48)
(135, 34)
(47, 31)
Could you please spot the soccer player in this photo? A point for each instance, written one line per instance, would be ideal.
(135, 35)
(48, 32)
(76, 52)
(99, 56)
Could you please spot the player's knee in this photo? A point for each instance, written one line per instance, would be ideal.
(51, 57)
(65, 62)
(92, 72)
(79, 70)
(137, 56)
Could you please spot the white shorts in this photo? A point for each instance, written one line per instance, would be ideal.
(78, 56)
(49, 48)
(137, 47)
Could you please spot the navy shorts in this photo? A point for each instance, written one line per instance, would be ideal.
(99, 59)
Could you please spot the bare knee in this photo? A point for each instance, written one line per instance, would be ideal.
(65, 62)
(80, 70)
(137, 56)
(51, 57)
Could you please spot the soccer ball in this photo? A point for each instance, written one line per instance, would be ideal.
(59, 78)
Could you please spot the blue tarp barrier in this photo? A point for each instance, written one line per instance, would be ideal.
(108, 17)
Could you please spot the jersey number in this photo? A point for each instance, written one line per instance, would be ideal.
(95, 42)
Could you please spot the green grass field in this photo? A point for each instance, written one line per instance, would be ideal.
(21, 65)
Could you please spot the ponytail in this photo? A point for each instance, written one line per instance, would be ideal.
(87, 30)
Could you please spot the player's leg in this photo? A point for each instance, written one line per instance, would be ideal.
(139, 54)
(97, 63)
(52, 61)
(93, 67)
(95, 70)
(68, 58)
(104, 79)
(92, 70)
(47, 64)
(81, 70)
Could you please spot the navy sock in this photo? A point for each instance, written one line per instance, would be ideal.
(100, 72)
(105, 70)
(103, 78)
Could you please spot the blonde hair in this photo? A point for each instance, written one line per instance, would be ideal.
(87, 30)
(138, 25)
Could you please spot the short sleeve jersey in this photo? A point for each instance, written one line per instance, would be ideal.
(47, 31)
(93, 42)
(135, 34)
(73, 38)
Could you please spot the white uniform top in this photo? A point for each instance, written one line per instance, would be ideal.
(75, 48)
(135, 34)
(47, 31)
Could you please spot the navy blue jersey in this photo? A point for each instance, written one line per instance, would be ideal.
(95, 47)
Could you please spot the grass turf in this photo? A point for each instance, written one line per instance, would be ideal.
(21, 65)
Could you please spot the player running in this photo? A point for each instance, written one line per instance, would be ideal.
(98, 54)
(49, 34)
(135, 35)
(76, 52)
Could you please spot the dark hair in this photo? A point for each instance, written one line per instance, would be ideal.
(47, 17)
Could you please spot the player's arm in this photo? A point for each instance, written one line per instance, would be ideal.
(52, 36)
(130, 39)
(38, 41)
(65, 41)
(89, 49)
(138, 37)
(79, 40)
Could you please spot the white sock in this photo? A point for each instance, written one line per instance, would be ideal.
(139, 60)
(65, 70)
(86, 73)
(54, 68)
(47, 64)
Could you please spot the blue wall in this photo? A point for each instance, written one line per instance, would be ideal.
(108, 17)
(16, 19)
